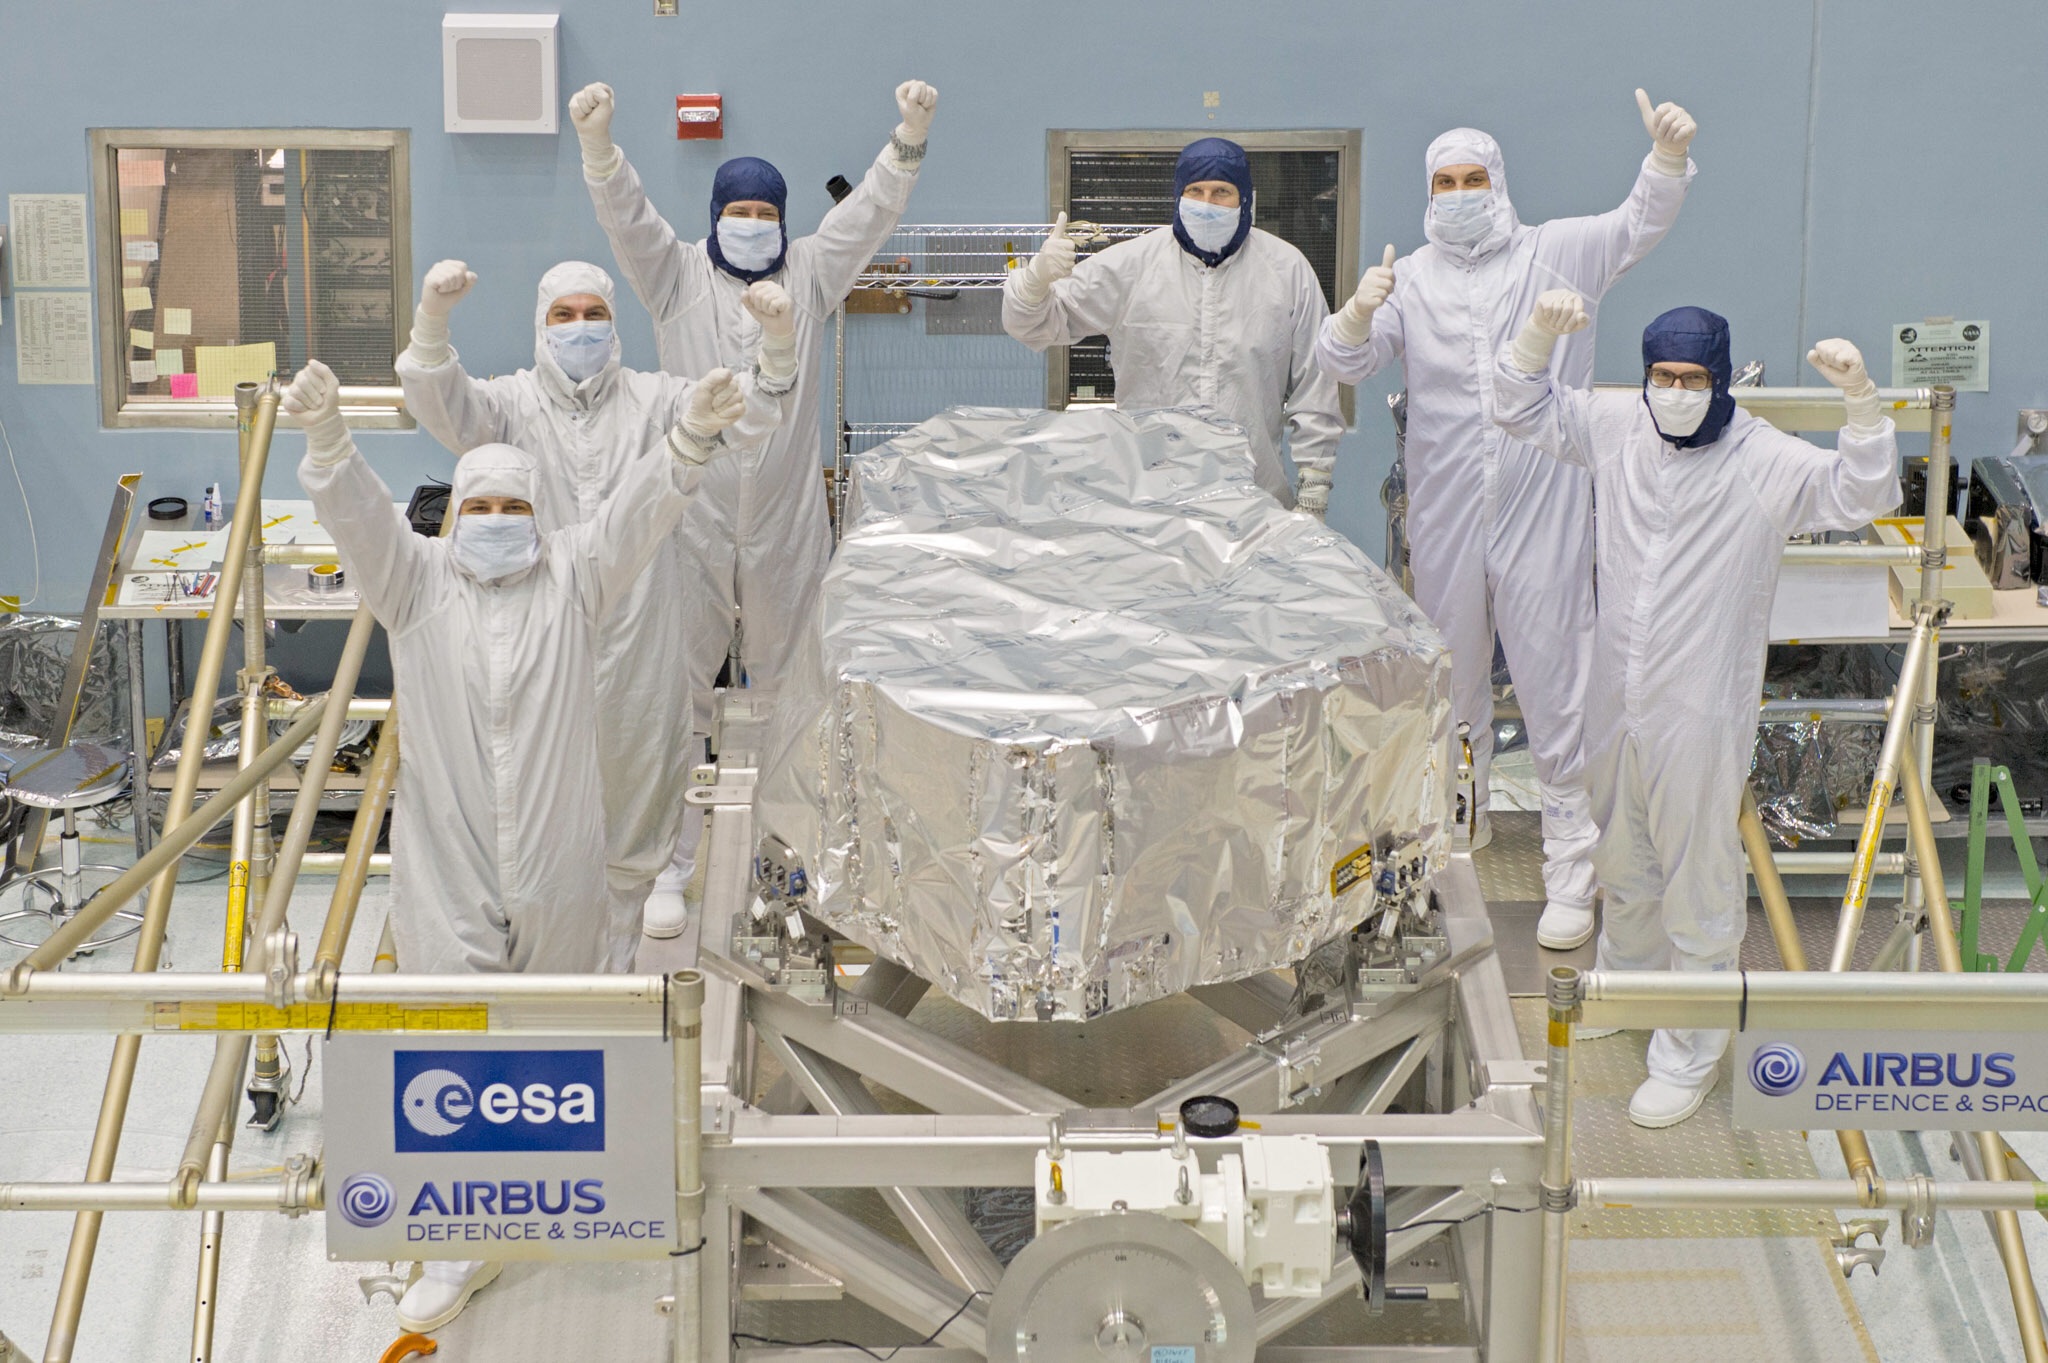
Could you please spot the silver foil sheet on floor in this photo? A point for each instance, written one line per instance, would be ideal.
(1083, 718)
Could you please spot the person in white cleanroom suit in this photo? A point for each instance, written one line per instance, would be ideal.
(587, 420)
(1502, 538)
(758, 534)
(1209, 311)
(497, 837)
(1696, 499)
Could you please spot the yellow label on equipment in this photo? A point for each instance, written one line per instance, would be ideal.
(1560, 1033)
(238, 916)
(1351, 870)
(315, 1017)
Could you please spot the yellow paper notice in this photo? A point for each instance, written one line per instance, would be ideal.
(134, 222)
(135, 298)
(220, 367)
(177, 322)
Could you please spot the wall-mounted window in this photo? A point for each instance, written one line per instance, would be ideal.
(1306, 188)
(225, 255)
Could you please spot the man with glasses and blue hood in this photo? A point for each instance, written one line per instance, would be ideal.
(1696, 500)
(1209, 311)
(758, 532)
(587, 420)
(1502, 538)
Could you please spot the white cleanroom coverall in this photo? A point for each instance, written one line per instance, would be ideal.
(497, 838)
(1238, 337)
(585, 439)
(757, 534)
(1690, 542)
(1501, 538)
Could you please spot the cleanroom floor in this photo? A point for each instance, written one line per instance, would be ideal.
(1721, 1288)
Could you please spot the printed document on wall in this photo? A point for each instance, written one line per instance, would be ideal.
(48, 241)
(53, 337)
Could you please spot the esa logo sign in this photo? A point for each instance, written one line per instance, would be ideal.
(517, 1101)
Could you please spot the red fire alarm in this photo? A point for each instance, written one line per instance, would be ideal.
(700, 116)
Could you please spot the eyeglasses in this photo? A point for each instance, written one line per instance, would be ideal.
(1692, 383)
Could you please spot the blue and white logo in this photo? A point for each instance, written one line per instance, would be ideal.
(1777, 1069)
(367, 1200)
(497, 1101)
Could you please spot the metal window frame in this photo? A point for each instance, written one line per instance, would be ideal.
(1348, 143)
(367, 408)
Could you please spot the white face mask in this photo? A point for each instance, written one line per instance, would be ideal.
(1462, 217)
(749, 243)
(496, 546)
(1208, 226)
(1678, 412)
(582, 349)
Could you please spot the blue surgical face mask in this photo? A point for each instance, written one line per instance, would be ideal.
(496, 546)
(1462, 217)
(749, 243)
(1208, 226)
(582, 349)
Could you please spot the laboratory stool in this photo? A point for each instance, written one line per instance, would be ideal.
(66, 779)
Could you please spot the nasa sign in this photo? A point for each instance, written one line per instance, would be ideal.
(507, 1148)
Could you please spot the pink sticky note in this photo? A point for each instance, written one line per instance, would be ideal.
(184, 385)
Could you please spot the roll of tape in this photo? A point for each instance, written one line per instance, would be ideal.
(326, 577)
(168, 509)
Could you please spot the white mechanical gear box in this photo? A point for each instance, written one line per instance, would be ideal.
(1271, 1210)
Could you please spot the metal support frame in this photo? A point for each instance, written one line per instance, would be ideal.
(1331, 1076)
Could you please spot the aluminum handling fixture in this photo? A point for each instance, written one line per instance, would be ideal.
(1288, 1174)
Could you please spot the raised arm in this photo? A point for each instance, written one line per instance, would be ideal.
(1589, 254)
(1526, 403)
(386, 561)
(611, 550)
(767, 388)
(1808, 488)
(457, 410)
(1050, 300)
(855, 227)
(665, 273)
(1363, 336)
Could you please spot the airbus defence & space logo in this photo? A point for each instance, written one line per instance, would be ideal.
(500, 1101)
(1777, 1069)
(367, 1200)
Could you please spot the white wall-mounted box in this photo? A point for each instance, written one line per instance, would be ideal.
(500, 73)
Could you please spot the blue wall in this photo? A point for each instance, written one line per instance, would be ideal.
(1871, 177)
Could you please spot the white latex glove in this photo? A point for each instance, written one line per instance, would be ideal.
(1671, 129)
(1841, 364)
(916, 102)
(771, 306)
(1558, 312)
(314, 397)
(590, 113)
(447, 284)
(1353, 322)
(1314, 496)
(715, 403)
(1054, 261)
